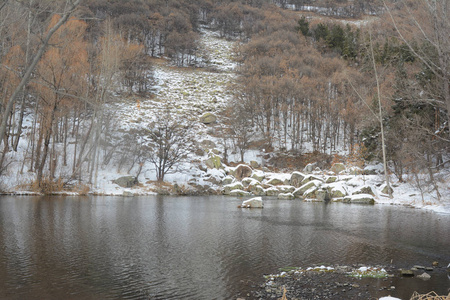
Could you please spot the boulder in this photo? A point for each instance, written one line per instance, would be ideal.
(231, 187)
(247, 181)
(242, 171)
(208, 118)
(331, 179)
(127, 194)
(257, 190)
(258, 175)
(126, 181)
(254, 164)
(309, 168)
(323, 195)
(286, 188)
(275, 181)
(310, 193)
(207, 145)
(213, 162)
(286, 196)
(407, 273)
(309, 178)
(228, 180)
(385, 190)
(253, 203)
(337, 168)
(273, 191)
(338, 191)
(296, 179)
(365, 189)
(360, 199)
(297, 193)
(239, 193)
(301, 190)
(424, 276)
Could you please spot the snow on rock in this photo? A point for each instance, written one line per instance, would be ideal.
(297, 178)
(227, 189)
(360, 198)
(256, 202)
(389, 298)
(374, 169)
(258, 175)
(278, 178)
(286, 196)
(337, 190)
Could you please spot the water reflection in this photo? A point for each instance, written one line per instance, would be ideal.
(196, 248)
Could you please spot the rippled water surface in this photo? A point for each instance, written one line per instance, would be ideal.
(197, 248)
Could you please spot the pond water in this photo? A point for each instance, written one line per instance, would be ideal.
(200, 247)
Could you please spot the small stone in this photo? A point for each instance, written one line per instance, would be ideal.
(407, 273)
(424, 276)
(429, 269)
(435, 263)
(419, 267)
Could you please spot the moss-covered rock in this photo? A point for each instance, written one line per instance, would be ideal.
(275, 181)
(385, 190)
(338, 192)
(126, 181)
(257, 190)
(310, 193)
(214, 161)
(331, 179)
(208, 118)
(286, 188)
(239, 193)
(231, 187)
(309, 178)
(258, 175)
(359, 199)
(365, 189)
(301, 190)
(228, 180)
(273, 191)
(296, 179)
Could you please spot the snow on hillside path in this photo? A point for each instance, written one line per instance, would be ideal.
(188, 92)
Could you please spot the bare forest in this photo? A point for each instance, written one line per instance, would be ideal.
(354, 77)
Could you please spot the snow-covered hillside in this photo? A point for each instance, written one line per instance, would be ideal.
(189, 93)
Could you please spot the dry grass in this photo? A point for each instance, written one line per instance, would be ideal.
(284, 294)
(81, 189)
(47, 186)
(429, 296)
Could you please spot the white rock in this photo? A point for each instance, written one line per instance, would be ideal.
(253, 203)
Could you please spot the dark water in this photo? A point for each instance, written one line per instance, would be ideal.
(202, 247)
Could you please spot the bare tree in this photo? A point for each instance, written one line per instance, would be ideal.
(170, 143)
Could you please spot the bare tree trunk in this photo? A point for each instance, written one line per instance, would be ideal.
(380, 117)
